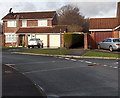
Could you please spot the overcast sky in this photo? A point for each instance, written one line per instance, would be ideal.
(88, 8)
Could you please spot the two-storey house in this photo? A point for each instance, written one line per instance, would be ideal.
(18, 28)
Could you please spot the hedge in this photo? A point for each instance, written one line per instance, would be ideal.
(72, 40)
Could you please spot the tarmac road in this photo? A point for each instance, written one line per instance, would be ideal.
(58, 76)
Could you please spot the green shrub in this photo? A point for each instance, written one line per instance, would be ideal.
(72, 40)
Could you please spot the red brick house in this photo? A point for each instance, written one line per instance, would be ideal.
(19, 27)
(101, 28)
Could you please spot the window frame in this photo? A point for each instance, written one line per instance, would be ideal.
(10, 38)
(42, 23)
(24, 23)
(11, 23)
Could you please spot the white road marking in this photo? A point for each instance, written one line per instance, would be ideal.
(88, 62)
(9, 64)
(81, 60)
(73, 59)
(60, 57)
(105, 65)
(67, 58)
(116, 63)
(115, 67)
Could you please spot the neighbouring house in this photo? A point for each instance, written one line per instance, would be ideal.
(20, 27)
(101, 28)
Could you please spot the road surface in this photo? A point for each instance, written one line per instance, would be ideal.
(58, 76)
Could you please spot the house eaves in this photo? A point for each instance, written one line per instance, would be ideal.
(105, 29)
(100, 29)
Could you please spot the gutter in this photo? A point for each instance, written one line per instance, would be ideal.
(101, 30)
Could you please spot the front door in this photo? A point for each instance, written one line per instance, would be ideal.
(21, 40)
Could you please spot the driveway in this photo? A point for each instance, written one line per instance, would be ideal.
(58, 76)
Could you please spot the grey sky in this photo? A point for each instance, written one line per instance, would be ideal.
(88, 9)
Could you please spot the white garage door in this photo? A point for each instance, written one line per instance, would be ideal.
(54, 40)
(44, 38)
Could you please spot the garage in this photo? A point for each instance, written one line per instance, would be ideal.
(55, 40)
(49, 35)
(43, 38)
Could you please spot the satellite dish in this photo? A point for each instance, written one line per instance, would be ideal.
(10, 11)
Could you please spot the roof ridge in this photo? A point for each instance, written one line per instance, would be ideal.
(35, 12)
(31, 15)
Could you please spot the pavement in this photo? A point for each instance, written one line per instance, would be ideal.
(17, 84)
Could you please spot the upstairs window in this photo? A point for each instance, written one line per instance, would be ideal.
(24, 23)
(42, 23)
(11, 23)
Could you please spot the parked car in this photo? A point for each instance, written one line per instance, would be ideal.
(36, 42)
(110, 43)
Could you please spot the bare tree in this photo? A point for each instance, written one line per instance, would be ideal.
(70, 15)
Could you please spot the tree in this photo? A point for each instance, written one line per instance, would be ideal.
(70, 15)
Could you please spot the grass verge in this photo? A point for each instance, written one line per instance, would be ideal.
(48, 51)
(100, 54)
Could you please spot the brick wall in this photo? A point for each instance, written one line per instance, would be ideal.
(32, 23)
(86, 41)
(116, 34)
(2, 40)
(19, 24)
(49, 22)
(11, 29)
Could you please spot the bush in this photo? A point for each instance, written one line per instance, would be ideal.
(72, 40)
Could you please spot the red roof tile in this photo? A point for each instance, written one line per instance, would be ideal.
(53, 29)
(31, 15)
(103, 23)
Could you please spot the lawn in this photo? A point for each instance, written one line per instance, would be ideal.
(100, 54)
(48, 51)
